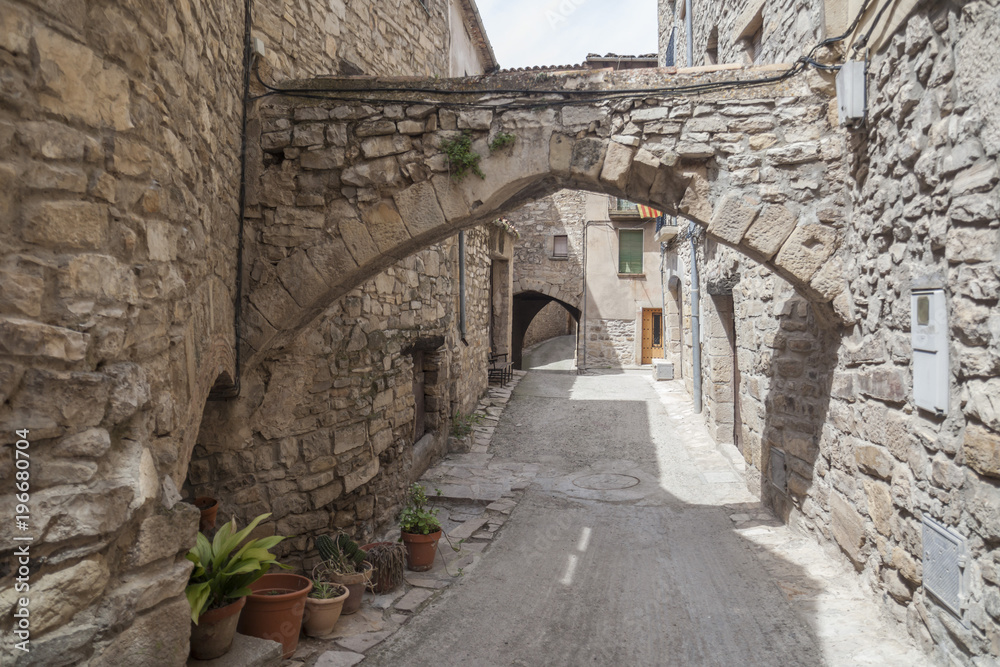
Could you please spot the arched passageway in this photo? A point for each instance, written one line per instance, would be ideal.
(355, 175)
(526, 306)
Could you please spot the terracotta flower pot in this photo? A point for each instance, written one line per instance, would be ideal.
(213, 636)
(322, 615)
(274, 610)
(420, 550)
(356, 585)
(209, 508)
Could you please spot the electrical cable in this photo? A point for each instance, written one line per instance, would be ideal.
(575, 97)
(863, 42)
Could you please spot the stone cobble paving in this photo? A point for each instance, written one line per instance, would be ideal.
(477, 496)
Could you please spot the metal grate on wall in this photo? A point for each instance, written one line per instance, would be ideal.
(944, 565)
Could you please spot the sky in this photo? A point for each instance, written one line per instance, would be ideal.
(563, 32)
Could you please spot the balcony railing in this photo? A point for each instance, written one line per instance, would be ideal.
(622, 208)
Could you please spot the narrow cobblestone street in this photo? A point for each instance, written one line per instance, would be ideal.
(633, 542)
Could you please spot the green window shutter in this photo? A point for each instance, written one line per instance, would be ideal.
(630, 251)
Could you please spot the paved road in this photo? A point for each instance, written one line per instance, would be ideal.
(555, 354)
(636, 544)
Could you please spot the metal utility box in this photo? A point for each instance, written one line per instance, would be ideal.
(662, 370)
(929, 332)
(851, 93)
(945, 560)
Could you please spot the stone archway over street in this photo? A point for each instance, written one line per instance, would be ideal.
(354, 177)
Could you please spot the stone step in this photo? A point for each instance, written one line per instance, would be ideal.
(245, 652)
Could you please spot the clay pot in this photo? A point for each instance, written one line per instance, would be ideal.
(213, 636)
(383, 580)
(420, 550)
(356, 585)
(209, 508)
(322, 615)
(274, 610)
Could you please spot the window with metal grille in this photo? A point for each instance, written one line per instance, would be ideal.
(629, 251)
(560, 246)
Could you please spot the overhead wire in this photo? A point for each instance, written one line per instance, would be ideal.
(573, 97)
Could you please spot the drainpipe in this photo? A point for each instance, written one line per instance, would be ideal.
(461, 286)
(582, 363)
(695, 323)
(663, 301)
(687, 31)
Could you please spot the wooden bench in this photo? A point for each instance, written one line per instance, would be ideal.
(500, 369)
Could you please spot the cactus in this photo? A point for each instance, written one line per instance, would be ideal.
(343, 555)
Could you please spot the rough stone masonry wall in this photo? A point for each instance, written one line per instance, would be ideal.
(864, 464)
(926, 209)
(312, 38)
(535, 269)
(551, 321)
(119, 166)
(610, 343)
(790, 29)
(119, 176)
(324, 439)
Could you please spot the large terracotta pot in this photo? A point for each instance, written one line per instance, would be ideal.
(274, 610)
(213, 636)
(420, 550)
(209, 508)
(356, 585)
(322, 615)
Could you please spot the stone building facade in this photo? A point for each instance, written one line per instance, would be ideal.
(121, 136)
(548, 268)
(828, 421)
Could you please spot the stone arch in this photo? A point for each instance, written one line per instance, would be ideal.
(351, 186)
(527, 304)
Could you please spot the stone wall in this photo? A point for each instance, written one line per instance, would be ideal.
(858, 464)
(551, 321)
(119, 213)
(535, 267)
(610, 343)
(789, 29)
(325, 437)
(349, 37)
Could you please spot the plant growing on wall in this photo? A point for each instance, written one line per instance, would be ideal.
(461, 425)
(507, 226)
(461, 158)
(502, 140)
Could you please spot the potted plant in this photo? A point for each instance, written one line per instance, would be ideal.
(387, 559)
(275, 608)
(209, 507)
(323, 607)
(220, 581)
(420, 530)
(343, 563)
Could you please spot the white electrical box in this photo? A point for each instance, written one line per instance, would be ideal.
(662, 370)
(851, 93)
(929, 332)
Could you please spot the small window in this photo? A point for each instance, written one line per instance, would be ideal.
(630, 251)
(712, 49)
(560, 246)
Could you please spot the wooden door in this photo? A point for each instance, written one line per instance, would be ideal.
(652, 335)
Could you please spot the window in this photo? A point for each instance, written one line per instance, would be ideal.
(560, 246)
(630, 251)
(712, 49)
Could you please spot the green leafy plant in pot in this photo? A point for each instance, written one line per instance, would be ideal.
(420, 530)
(220, 581)
(343, 562)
